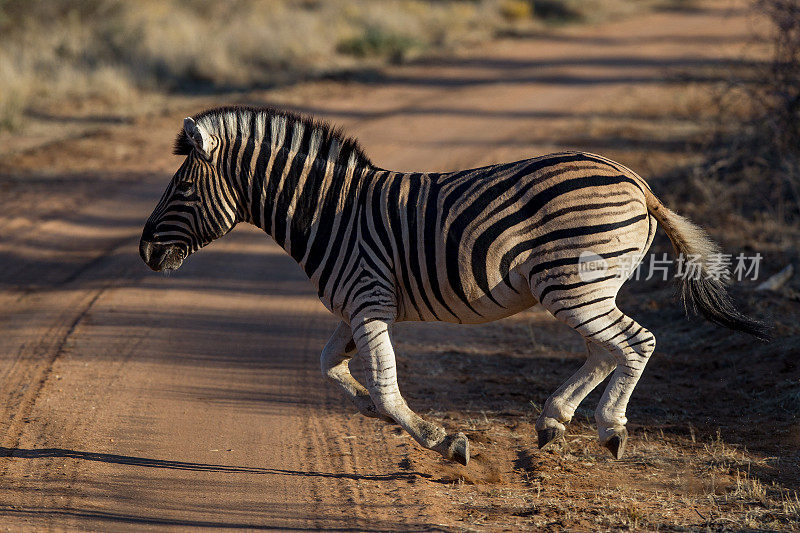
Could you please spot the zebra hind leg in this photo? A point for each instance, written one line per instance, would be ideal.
(632, 347)
(372, 339)
(335, 366)
(629, 344)
(561, 405)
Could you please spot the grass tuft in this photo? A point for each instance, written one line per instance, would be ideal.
(376, 42)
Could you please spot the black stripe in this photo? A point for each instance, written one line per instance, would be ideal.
(396, 226)
(234, 153)
(569, 286)
(359, 275)
(287, 192)
(305, 207)
(632, 335)
(528, 212)
(594, 318)
(259, 179)
(585, 207)
(622, 332)
(555, 263)
(617, 321)
(431, 234)
(582, 304)
(247, 159)
(353, 205)
(412, 214)
(327, 217)
(383, 248)
(565, 233)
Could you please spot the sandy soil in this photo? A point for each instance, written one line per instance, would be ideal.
(134, 400)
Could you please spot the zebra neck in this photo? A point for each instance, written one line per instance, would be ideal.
(298, 198)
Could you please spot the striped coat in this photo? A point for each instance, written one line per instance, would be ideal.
(466, 247)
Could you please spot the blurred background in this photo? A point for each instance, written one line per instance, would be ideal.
(111, 50)
(129, 398)
(118, 59)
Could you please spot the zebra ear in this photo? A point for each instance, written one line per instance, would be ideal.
(197, 136)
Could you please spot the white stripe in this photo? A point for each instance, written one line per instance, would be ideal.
(297, 136)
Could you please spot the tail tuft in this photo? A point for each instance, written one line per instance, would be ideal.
(705, 293)
(709, 297)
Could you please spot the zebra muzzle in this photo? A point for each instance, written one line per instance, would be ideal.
(161, 256)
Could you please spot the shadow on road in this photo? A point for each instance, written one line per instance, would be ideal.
(277, 514)
(197, 467)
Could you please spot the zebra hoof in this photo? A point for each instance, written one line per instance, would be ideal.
(616, 443)
(549, 436)
(456, 448)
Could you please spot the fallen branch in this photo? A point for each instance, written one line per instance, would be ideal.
(776, 281)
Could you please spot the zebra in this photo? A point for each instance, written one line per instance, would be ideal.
(466, 247)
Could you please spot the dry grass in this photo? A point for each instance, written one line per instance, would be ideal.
(675, 476)
(111, 51)
(666, 483)
(700, 457)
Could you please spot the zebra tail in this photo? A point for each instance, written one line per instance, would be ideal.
(704, 293)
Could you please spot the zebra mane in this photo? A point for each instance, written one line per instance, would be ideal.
(226, 121)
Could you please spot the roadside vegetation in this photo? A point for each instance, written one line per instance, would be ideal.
(745, 178)
(112, 52)
(754, 154)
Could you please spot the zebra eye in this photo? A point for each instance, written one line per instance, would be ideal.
(185, 187)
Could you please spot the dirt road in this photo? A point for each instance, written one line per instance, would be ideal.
(134, 400)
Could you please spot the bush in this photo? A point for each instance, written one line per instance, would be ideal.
(778, 95)
(753, 165)
(514, 10)
(375, 42)
(557, 10)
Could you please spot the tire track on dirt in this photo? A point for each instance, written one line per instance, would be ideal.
(67, 298)
(40, 375)
(53, 344)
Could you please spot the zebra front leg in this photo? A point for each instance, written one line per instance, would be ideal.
(335, 366)
(372, 339)
(561, 405)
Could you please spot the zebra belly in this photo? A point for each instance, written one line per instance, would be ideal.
(503, 300)
(490, 312)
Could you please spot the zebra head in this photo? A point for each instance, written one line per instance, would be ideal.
(196, 208)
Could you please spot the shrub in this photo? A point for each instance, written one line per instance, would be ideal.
(778, 94)
(376, 42)
(755, 156)
(557, 10)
